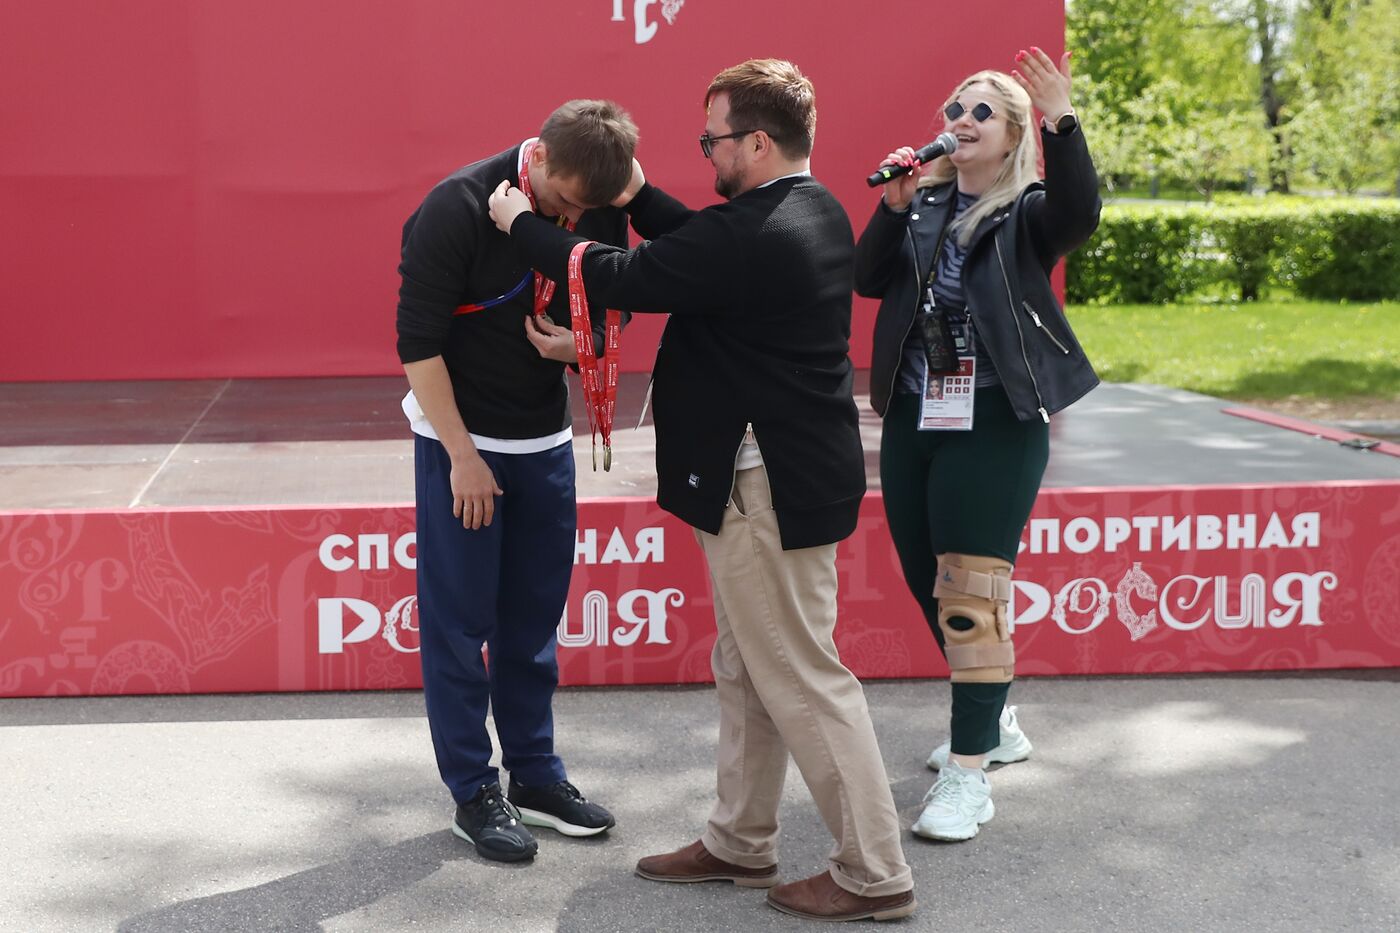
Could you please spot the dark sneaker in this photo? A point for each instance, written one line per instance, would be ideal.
(560, 806)
(492, 824)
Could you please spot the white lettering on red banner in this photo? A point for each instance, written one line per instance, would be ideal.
(1179, 579)
(594, 626)
(342, 621)
(373, 551)
(1185, 603)
(334, 634)
(1148, 533)
(642, 613)
(644, 27)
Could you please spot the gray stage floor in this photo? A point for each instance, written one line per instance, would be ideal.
(345, 441)
(1241, 803)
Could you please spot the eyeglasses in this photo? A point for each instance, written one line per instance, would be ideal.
(707, 142)
(981, 113)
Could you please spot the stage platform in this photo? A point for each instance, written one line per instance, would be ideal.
(243, 535)
(247, 442)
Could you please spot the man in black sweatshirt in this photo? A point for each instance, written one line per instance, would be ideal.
(757, 447)
(480, 338)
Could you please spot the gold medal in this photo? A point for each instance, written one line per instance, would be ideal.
(607, 456)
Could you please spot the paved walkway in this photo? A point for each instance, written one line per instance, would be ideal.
(1238, 803)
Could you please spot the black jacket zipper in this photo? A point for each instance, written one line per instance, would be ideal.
(918, 295)
(1020, 333)
(1049, 333)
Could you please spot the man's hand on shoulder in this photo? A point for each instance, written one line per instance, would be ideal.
(639, 179)
(507, 203)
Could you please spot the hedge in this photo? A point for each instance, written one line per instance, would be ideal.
(1322, 249)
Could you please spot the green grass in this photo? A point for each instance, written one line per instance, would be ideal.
(1144, 193)
(1260, 350)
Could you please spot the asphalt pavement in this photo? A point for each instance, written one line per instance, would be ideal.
(1241, 803)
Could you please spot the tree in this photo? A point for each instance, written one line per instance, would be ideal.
(1116, 45)
(1167, 91)
(1345, 124)
(1268, 19)
(1212, 92)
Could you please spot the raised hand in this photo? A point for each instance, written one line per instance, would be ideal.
(1047, 85)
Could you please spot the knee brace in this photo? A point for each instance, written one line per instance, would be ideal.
(973, 594)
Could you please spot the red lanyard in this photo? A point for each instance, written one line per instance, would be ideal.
(599, 389)
(544, 288)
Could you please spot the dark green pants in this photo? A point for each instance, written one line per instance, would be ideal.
(961, 492)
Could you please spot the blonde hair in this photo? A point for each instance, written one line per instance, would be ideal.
(1018, 169)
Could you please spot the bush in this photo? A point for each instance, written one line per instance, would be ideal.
(1323, 249)
(1252, 239)
(1139, 256)
(1355, 255)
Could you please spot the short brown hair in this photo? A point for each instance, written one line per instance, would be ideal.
(592, 142)
(770, 94)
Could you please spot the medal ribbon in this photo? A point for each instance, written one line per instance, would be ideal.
(544, 288)
(492, 302)
(599, 377)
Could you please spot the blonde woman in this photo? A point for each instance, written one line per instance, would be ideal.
(972, 356)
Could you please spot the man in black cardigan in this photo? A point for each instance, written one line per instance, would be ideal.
(757, 447)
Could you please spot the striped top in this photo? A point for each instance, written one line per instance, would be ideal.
(946, 281)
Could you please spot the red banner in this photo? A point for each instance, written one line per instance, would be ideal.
(1127, 580)
(207, 190)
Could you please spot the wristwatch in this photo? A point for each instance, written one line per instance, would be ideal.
(1064, 123)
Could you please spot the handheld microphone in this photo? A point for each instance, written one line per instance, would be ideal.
(944, 144)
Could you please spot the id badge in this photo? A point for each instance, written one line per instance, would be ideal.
(947, 399)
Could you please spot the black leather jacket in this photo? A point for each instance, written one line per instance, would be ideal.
(1006, 280)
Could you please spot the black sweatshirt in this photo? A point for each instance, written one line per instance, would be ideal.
(454, 255)
(759, 292)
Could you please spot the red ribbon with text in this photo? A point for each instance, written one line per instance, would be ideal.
(544, 288)
(599, 377)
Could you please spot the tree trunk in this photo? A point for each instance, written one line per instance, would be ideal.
(1265, 32)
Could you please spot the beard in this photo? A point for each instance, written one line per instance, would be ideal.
(726, 188)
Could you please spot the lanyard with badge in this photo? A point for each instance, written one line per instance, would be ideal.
(950, 370)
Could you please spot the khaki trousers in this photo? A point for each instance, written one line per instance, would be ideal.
(782, 689)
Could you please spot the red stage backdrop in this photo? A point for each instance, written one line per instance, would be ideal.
(1130, 580)
(193, 190)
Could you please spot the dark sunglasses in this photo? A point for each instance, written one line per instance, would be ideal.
(707, 142)
(981, 113)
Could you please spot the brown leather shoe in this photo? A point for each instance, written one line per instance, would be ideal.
(821, 898)
(695, 863)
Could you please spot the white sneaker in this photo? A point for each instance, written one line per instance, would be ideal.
(956, 806)
(1014, 744)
